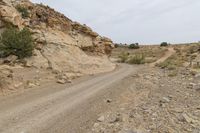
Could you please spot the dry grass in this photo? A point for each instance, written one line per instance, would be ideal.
(172, 62)
(137, 59)
(183, 56)
(145, 54)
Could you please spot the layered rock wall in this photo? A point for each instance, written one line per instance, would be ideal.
(61, 44)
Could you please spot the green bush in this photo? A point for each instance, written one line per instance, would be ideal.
(24, 11)
(137, 59)
(134, 46)
(164, 44)
(15, 42)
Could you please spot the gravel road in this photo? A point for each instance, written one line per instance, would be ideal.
(62, 110)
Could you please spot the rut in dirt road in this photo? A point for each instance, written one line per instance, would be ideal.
(32, 116)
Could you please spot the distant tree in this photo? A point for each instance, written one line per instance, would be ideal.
(164, 44)
(117, 45)
(134, 46)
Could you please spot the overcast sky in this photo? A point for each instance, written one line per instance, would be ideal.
(143, 21)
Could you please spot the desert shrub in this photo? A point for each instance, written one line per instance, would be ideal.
(193, 49)
(172, 62)
(164, 44)
(123, 57)
(24, 11)
(116, 45)
(168, 64)
(137, 59)
(15, 42)
(134, 46)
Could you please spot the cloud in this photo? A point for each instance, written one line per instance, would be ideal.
(141, 21)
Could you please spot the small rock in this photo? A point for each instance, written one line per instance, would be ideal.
(37, 83)
(18, 85)
(96, 125)
(109, 100)
(197, 75)
(61, 81)
(27, 64)
(135, 76)
(194, 86)
(181, 118)
(188, 118)
(165, 100)
(31, 85)
(147, 77)
(191, 85)
(10, 59)
(101, 119)
(69, 81)
(162, 85)
(114, 118)
(198, 107)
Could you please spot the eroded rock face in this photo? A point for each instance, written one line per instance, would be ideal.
(62, 45)
(9, 14)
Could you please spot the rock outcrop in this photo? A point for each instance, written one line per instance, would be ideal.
(62, 45)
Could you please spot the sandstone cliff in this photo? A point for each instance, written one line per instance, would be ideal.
(61, 45)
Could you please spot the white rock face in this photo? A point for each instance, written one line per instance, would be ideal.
(61, 44)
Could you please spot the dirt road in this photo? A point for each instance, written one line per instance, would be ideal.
(170, 52)
(63, 110)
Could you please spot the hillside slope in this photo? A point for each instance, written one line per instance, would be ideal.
(63, 47)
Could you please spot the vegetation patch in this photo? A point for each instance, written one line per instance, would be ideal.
(24, 11)
(172, 62)
(134, 46)
(123, 57)
(164, 44)
(137, 59)
(145, 54)
(16, 42)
